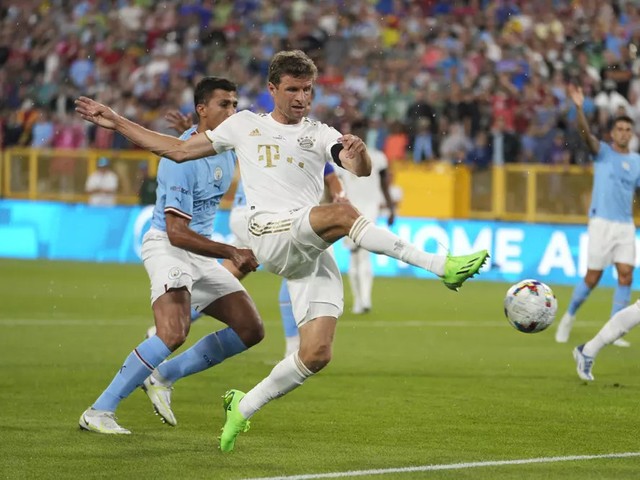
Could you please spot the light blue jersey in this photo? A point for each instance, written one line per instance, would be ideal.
(616, 176)
(193, 189)
(239, 199)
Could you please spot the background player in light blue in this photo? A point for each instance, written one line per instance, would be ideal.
(179, 257)
(611, 228)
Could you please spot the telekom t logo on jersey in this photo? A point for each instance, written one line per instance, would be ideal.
(271, 154)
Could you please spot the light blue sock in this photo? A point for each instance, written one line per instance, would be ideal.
(621, 298)
(286, 311)
(195, 315)
(580, 294)
(209, 351)
(138, 365)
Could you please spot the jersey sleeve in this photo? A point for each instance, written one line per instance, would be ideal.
(328, 169)
(224, 137)
(329, 136)
(180, 184)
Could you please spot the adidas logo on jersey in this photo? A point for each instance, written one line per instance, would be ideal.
(255, 133)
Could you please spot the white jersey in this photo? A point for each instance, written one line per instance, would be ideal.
(281, 165)
(365, 193)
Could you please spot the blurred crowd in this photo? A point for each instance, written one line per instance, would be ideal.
(479, 82)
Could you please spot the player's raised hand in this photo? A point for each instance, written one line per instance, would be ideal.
(576, 95)
(244, 260)
(353, 145)
(96, 112)
(178, 121)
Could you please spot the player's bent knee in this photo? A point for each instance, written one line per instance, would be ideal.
(252, 335)
(173, 338)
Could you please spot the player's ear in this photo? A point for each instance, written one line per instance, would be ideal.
(272, 88)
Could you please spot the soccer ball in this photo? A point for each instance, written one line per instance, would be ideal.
(530, 306)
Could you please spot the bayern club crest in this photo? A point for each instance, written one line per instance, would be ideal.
(306, 142)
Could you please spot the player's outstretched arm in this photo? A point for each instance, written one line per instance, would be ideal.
(354, 156)
(577, 97)
(167, 146)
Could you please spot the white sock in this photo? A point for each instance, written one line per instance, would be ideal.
(365, 275)
(354, 280)
(616, 327)
(378, 240)
(287, 375)
(292, 344)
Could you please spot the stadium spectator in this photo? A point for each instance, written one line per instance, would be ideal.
(102, 185)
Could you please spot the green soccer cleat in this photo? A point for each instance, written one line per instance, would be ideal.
(459, 269)
(235, 422)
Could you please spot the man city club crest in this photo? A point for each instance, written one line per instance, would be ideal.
(306, 142)
(217, 174)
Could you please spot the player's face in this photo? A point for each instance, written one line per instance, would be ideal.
(621, 134)
(220, 106)
(292, 98)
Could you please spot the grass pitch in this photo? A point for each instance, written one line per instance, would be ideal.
(429, 377)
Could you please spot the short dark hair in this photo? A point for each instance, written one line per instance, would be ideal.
(291, 62)
(206, 86)
(621, 118)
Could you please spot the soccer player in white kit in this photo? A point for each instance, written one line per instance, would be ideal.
(282, 156)
(612, 233)
(366, 194)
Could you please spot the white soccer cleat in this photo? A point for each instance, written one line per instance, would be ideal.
(564, 328)
(584, 364)
(160, 396)
(101, 421)
(621, 342)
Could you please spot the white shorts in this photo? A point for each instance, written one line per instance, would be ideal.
(610, 242)
(285, 244)
(238, 226)
(171, 267)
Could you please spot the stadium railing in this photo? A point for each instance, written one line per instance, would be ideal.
(515, 192)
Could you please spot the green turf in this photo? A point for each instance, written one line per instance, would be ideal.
(429, 377)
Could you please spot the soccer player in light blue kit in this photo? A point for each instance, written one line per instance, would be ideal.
(611, 228)
(180, 259)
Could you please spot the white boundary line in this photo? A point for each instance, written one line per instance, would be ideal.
(450, 466)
